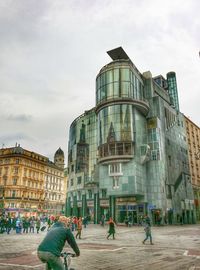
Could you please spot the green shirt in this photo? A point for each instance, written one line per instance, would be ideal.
(55, 239)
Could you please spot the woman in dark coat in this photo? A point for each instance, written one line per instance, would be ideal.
(111, 230)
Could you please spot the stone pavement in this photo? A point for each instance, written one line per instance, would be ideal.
(175, 247)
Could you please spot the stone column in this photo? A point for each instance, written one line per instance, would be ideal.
(84, 205)
(96, 208)
(68, 207)
(112, 206)
(75, 208)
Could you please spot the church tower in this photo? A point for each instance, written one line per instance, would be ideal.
(59, 158)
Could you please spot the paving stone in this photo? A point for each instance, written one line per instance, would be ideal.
(175, 248)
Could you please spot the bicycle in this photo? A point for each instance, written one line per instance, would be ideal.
(67, 259)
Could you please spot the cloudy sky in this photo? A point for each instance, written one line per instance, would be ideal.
(52, 50)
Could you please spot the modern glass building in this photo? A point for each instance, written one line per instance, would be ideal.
(128, 154)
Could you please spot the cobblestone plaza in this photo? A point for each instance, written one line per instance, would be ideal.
(175, 247)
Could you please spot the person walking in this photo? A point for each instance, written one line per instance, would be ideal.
(32, 225)
(49, 250)
(18, 226)
(111, 230)
(102, 220)
(147, 230)
(38, 224)
(85, 221)
(25, 225)
(79, 228)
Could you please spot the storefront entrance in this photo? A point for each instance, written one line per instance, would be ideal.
(129, 212)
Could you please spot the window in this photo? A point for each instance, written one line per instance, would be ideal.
(17, 161)
(104, 193)
(79, 179)
(72, 182)
(170, 160)
(154, 155)
(90, 194)
(115, 169)
(79, 195)
(6, 161)
(13, 193)
(14, 181)
(115, 182)
(16, 170)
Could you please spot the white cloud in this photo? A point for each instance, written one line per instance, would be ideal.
(51, 52)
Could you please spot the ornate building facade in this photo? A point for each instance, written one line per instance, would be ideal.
(193, 139)
(128, 154)
(29, 183)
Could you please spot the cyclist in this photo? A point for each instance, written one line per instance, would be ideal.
(50, 248)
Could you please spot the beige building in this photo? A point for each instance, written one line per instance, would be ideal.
(193, 139)
(30, 184)
(55, 185)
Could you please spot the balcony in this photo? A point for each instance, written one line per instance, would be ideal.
(141, 105)
(117, 150)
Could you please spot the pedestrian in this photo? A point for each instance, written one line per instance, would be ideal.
(79, 228)
(85, 222)
(38, 224)
(32, 225)
(18, 226)
(49, 250)
(8, 225)
(75, 221)
(147, 230)
(26, 225)
(102, 220)
(126, 221)
(111, 230)
(49, 223)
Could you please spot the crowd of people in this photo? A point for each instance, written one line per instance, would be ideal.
(20, 225)
(60, 229)
(35, 224)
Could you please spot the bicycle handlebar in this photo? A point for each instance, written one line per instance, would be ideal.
(66, 254)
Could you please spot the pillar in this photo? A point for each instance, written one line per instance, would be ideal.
(68, 207)
(96, 208)
(84, 205)
(75, 208)
(112, 206)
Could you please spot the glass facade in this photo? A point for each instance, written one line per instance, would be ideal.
(172, 88)
(118, 83)
(118, 156)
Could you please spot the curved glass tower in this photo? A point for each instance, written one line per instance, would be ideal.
(172, 88)
(119, 92)
(121, 153)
